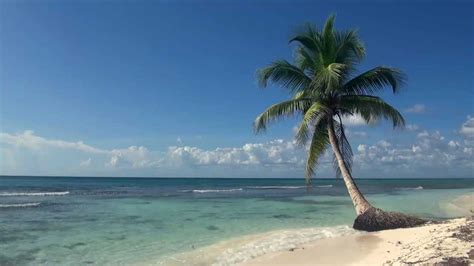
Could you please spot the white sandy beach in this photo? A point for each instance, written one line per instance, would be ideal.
(428, 244)
(449, 242)
(443, 242)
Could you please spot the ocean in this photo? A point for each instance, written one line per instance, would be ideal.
(123, 221)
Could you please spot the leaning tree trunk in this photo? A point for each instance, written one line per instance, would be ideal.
(368, 217)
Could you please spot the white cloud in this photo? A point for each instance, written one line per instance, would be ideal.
(429, 154)
(29, 140)
(423, 134)
(86, 163)
(353, 120)
(134, 156)
(357, 134)
(453, 144)
(416, 109)
(269, 153)
(412, 127)
(467, 128)
(384, 143)
(178, 140)
(415, 149)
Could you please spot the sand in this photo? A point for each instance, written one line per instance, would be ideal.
(448, 242)
(442, 243)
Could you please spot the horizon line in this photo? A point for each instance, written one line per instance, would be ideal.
(176, 177)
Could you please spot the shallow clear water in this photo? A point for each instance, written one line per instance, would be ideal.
(65, 220)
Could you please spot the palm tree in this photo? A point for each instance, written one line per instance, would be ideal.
(324, 90)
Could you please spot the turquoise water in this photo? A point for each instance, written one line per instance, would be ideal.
(65, 220)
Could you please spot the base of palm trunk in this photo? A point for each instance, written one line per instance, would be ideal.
(375, 220)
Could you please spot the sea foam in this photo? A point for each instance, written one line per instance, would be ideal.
(20, 205)
(276, 187)
(238, 250)
(16, 194)
(411, 188)
(216, 190)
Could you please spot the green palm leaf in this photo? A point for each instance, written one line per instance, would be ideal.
(280, 110)
(323, 89)
(350, 49)
(285, 74)
(372, 109)
(312, 116)
(309, 38)
(319, 144)
(375, 80)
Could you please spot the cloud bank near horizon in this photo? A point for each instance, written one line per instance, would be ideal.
(426, 154)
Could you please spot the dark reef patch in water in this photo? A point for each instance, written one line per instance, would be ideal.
(325, 202)
(209, 214)
(116, 238)
(133, 217)
(10, 236)
(23, 258)
(148, 221)
(212, 228)
(75, 245)
(282, 216)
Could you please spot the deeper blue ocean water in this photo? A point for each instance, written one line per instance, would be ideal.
(110, 221)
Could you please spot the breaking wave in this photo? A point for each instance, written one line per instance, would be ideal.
(20, 205)
(411, 188)
(276, 187)
(241, 249)
(15, 194)
(248, 187)
(211, 190)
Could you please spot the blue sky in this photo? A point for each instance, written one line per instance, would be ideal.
(150, 88)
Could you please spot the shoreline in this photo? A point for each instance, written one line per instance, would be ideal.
(437, 242)
(442, 243)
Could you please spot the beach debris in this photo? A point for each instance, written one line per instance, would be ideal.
(453, 261)
(465, 232)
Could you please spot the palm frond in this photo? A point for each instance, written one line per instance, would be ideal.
(306, 60)
(285, 74)
(309, 38)
(312, 116)
(372, 109)
(350, 49)
(328, 28)
(278, 111)
(321, 84)
(328, 40)
(319, 144)
(375, 80)
(328, 79)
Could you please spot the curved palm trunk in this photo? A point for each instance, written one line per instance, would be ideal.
(361, 205)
